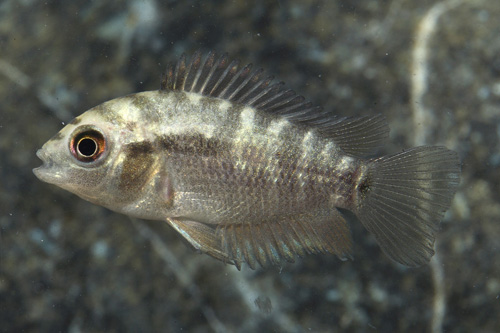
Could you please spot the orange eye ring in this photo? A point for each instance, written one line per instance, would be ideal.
(88, 145)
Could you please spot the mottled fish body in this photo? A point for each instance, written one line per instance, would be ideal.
(249, 172)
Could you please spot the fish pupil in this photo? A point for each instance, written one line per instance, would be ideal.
(87, 147)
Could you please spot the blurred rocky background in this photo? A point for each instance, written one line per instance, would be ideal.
(431, 67)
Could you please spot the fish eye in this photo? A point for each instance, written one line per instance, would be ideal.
(87, 145)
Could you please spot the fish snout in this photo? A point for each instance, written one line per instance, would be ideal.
(42, 171)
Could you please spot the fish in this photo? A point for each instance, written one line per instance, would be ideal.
(248, 171)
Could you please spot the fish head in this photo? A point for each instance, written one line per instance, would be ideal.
(82, 154)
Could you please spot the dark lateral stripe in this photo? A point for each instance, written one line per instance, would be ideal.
(191, 144)
(140, 148)
(136, 166)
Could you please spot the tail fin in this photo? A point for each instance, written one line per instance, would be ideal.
(403, 199)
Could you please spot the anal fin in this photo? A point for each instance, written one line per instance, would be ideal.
(282, 240)
(270, 242)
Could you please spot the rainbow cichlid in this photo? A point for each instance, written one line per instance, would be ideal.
(247, 171)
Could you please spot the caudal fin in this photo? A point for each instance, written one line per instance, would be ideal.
(403, 199)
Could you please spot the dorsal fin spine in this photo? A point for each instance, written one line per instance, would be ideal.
(244, 73)
(226, 92)
(292, 107)
(180, 74)
(230, 68)
(270, 96)
(197, 74)
(206, 69)
(262, 102)
(286, 96)
(265, 83)
(209, 63)
(218, 65)
(219, 77)
(255, 78)
(192, 71)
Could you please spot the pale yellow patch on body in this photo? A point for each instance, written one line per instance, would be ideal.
(194, 98)
(246, 131)
(224, 107)
(184, 122)
(326, 152)
(307, 144)
(247, 120)
(277, 126)
(129, 112)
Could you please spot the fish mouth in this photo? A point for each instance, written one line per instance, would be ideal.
(42, 172)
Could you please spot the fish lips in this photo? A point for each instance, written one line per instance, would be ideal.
(45, 172)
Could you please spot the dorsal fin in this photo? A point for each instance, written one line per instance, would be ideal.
(217, 76)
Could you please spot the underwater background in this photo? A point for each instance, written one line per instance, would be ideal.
(431, 67)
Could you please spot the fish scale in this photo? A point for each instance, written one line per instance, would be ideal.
(249, 172)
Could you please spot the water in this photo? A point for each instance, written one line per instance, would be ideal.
(431, 68)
